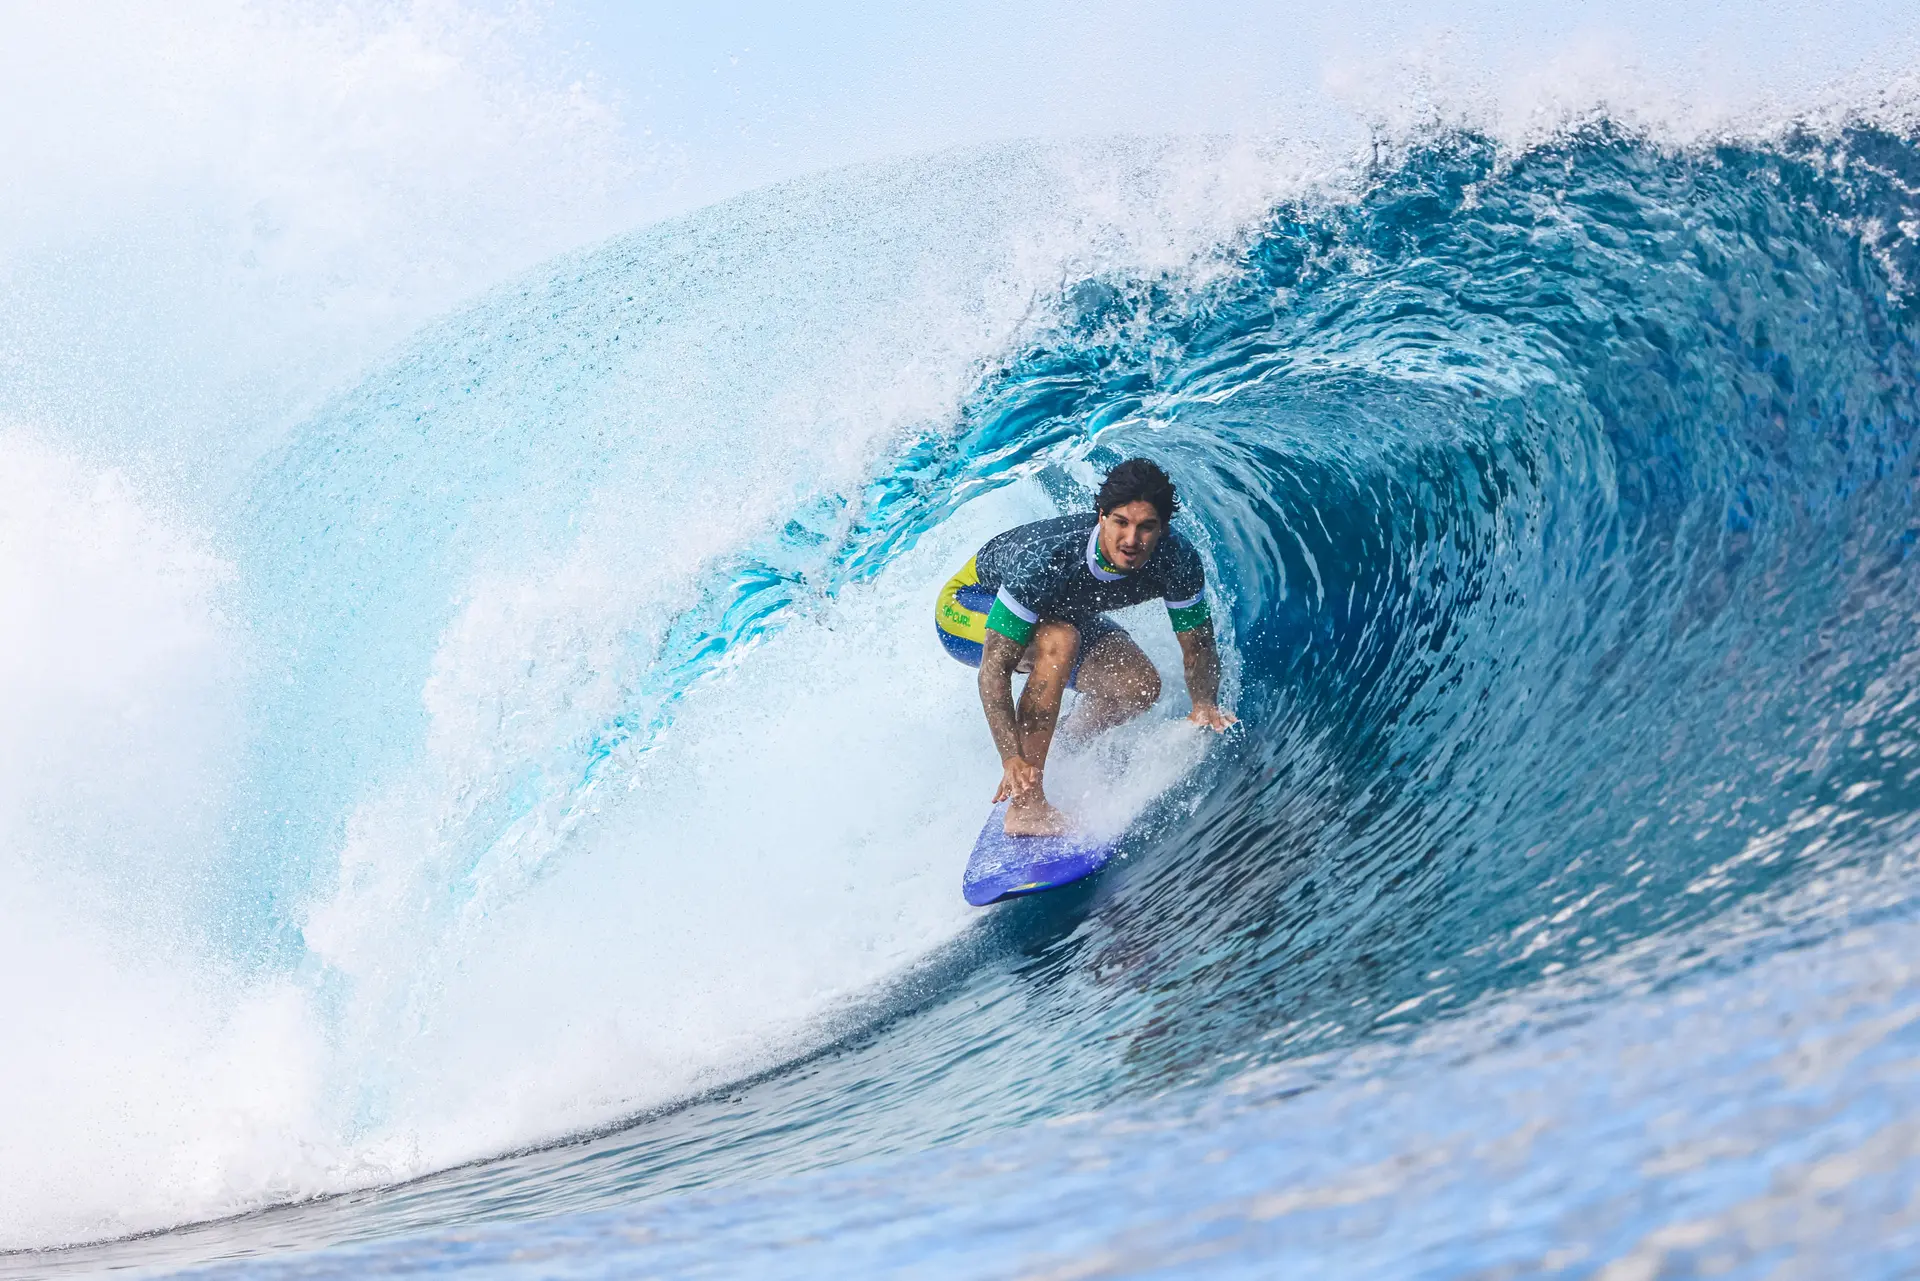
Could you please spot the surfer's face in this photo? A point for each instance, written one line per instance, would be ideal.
(1129, 533)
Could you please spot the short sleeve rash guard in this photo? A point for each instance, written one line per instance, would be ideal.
(1052, 569)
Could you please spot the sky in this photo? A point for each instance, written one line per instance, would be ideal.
(725, 97)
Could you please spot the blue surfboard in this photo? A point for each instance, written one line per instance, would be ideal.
(1005, 866)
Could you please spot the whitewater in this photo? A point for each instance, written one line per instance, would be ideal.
(479, 789)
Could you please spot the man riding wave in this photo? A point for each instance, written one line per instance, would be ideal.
(1034, 599)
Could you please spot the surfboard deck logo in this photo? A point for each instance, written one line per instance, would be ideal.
(1003, 866)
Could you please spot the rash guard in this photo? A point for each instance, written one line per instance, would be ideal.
(1053, 569)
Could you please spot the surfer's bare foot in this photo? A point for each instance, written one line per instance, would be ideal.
(1032, 816)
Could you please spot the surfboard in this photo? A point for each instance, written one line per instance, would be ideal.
(1005, 866)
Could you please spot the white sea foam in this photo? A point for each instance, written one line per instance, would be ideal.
(118, 679)
(132, 1079)
(215, 212)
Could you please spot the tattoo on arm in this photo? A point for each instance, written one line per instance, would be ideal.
(1201, 659)
(996, 693)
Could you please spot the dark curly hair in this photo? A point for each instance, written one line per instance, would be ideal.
(1135, 479)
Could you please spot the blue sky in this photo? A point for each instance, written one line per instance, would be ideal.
(731, 96)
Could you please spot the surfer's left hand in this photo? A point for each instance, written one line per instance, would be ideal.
(1213, 718)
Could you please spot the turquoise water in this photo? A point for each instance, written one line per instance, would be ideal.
(1550, 911)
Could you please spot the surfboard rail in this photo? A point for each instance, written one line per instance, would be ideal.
(1003, 867)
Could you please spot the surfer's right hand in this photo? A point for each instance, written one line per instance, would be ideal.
(1212, 717)
(1017, 778)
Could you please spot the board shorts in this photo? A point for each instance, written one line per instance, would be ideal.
(960, 620)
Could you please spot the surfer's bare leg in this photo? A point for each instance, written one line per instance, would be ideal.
(1051, 651)
(1117, 682)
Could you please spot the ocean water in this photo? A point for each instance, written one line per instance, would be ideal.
(487, 796)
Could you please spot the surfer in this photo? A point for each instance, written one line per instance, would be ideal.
(1034, 599)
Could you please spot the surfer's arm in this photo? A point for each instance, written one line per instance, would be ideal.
(1201, 659)
(997, 661)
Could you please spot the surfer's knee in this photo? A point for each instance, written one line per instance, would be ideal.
(1123, 677)
(1131, 694)
(1145, 688)
(1054, 643)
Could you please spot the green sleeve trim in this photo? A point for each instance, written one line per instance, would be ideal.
(1185, 620)
(1009, 624)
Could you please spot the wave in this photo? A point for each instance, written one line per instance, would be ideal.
(1557, 502)
(467, 597)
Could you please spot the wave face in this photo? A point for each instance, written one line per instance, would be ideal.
(1559, 505)
(526, 756)
(1563, 503)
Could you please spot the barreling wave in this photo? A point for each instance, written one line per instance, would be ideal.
(1563, 506)
(1559, 506)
